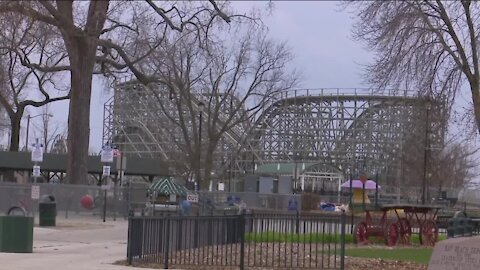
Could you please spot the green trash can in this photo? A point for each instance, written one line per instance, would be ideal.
(16, 234)
(47, 211)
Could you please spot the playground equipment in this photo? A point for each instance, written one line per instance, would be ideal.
(359, 189)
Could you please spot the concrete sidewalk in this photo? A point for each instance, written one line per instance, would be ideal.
(75, 244)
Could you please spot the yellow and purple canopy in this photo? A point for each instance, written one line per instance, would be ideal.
(369, 184)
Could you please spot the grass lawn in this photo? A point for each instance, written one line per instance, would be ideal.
(414, 253)
(315, 238)
(296, 238)
(418, 255)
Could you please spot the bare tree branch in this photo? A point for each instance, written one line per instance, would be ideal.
(431, 45)
(226, 80)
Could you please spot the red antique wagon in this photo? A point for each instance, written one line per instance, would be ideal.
(397, 228)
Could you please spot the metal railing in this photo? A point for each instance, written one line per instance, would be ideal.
(246, 241)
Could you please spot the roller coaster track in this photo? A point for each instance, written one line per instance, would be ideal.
(320, 122)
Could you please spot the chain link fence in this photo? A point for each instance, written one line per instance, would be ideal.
(117, 202)
(114, 201)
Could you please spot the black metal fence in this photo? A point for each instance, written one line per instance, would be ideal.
(246, 241)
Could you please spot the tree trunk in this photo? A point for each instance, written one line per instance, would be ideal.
(476, 102)
(15, 133)
(81, 47)
(82, 63)
(197, 164)
(208, 163)
(9, 175)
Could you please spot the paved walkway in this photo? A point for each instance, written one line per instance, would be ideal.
(75, 244)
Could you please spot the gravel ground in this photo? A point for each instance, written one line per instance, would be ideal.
(278, 256)
(369, 264)
(351, 263)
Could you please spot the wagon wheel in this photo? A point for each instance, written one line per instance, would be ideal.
(428, 233)
(360, 235)
(392, 234)
(405, 230)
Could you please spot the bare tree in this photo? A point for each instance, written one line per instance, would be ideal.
(49, 131)
(87, 30)
(232, 82)
(4, 128)
(441, 162)
(430, 45)
(455, 166)
(20, 41)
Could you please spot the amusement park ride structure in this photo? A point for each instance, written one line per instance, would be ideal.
(342, 131)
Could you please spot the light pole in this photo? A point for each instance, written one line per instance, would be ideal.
(28, 127)
(200, 114)
(425, 153)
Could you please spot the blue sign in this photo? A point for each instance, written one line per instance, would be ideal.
(293, 204)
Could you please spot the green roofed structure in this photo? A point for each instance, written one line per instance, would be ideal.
(167, 186)
(310, 176)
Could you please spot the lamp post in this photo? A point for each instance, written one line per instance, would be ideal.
(28, 127)
(200, 115)
(425, 153)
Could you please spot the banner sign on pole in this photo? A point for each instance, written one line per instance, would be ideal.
(37, 153)
(36, 170)
(106, 170)
(107, 154)
(35, 192)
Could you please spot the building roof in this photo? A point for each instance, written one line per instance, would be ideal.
(167, 186)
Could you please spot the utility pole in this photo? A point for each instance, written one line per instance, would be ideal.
(28, 130)
(200, 114)
(425, 153)
(45, 130)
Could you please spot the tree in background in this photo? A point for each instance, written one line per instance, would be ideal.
(455, 166)
(427, 45)
(21, 40)
(233, 81)
(4, 128)
(87, 30)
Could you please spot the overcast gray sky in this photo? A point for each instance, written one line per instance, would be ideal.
(318, 33)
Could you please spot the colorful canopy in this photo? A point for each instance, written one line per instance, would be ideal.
(167, 186)
(369, 184)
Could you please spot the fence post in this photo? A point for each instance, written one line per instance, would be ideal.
(167, 247)
(242, 241)
(297, 223)
(104, 205)
(342, 241)
(195, 231)
(129, 241)
(351, 221)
